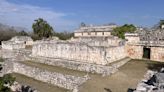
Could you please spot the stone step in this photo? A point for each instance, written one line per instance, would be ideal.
(49, 76)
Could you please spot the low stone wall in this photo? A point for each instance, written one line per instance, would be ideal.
(66, 81)
(12, 45)
(92, 68)
(78, 52)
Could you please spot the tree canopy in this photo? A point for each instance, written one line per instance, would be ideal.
(120, 31)
(42, 28)
(161, 23)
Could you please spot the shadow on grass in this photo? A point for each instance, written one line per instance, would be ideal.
(107, 90)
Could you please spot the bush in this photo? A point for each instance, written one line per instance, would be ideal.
(6, 79)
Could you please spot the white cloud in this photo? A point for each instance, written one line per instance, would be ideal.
(24, 16)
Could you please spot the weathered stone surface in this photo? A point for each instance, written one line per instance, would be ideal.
(78, 52)
(12, 45)
(17, 42)
(134, 52)
(93, 68)
(65, 81)
(152, 82)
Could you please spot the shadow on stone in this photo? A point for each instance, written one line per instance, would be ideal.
(155, 66)
(130, 90)
(107, 90)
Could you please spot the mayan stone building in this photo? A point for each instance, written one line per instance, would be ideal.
(95, 31)
(146, 45)
(89, 52)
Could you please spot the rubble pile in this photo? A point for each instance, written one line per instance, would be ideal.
(153, 82)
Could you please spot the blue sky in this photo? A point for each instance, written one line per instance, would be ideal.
(68, 14)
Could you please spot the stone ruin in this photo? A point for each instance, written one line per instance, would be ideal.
(92, 55)
(79, 51)
(153, 82)
(146, 44)
(17, 42)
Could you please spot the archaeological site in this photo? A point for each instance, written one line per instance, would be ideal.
(92, 61)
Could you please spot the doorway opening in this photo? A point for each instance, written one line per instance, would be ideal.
(146, 53)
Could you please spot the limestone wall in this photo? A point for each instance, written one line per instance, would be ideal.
(70, 51)
(115, 53)
(78, 52)
(11, 45)
(65, 81)
(134, 52)
(157, 53)
(22, 39)
(92, 68)
(99, 41)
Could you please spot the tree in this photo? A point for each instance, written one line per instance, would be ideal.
(63, 35)
(42, 28)
(120, 31)
(82, 24)
(161, 23)
(6, 79)
(23, 33)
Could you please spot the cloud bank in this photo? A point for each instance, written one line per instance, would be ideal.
(24, 15)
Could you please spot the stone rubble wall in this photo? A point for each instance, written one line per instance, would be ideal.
(66, 81)
(22, 39)
(20, 55)
(78, 52)
(92, 68)
(12, 46)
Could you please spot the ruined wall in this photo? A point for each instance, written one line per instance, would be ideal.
(100, 41)
(115, 53)
(70, 51)
(65, 81)
(77, 52)
(92, 68)
(134, 51)
(22, 39)
(11, 45)
(157, 53)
